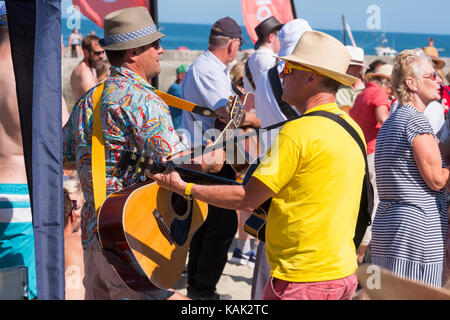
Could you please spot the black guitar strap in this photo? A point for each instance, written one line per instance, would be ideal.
(275, 83)
(248, 74)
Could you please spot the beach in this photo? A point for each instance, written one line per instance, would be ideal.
(235, 280)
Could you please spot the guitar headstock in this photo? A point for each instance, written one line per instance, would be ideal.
(139, 165)
(235, 110)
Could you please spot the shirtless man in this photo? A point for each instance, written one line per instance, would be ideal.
(84, 76)
(16, 228)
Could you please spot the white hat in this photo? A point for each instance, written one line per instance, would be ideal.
(289, 35)
(357, 56)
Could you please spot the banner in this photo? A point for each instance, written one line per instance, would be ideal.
(35, 34)
(255, 11)
(96, 10)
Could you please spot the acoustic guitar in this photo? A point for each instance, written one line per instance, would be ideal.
(145, 230)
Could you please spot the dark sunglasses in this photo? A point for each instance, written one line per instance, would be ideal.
(156, 44)
(98, 53)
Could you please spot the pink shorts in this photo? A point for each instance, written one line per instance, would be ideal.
(340, 289)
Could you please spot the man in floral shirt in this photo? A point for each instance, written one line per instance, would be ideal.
(132, 116)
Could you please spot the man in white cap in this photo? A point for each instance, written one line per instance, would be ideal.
(132, 116)
(346, 95)
(315, 187)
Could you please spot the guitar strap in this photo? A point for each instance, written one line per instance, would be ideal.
(98, 151)
(249, 76)
(277, 90)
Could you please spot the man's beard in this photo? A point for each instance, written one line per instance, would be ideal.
(93, 63)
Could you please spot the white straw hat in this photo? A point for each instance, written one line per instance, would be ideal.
(322, 53)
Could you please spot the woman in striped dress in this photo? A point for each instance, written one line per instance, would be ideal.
(410, 225)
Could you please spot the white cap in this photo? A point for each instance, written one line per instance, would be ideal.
(357, 55)
(289, 35)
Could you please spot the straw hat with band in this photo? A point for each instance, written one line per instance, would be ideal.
(323, 54)
(384, 71)
(431, 52)
(129, 28)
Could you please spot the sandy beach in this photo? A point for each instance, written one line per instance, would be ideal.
(235, 280)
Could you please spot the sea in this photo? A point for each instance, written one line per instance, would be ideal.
(195, 37)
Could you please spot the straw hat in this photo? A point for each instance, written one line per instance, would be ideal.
(434, 55)
(384, 71)
(129, 28)
(322, 53)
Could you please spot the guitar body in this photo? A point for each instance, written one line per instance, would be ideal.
(145, 232)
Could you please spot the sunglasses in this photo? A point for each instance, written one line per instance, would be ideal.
(156, 44)
(289, 66)
(98, 53)
(432, 76)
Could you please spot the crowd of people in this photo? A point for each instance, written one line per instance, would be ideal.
(312, 170)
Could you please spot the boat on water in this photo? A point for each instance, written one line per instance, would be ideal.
(383, 50)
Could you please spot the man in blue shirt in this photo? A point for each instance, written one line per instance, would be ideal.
(208, 83)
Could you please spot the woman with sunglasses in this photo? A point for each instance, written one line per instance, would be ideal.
(410, 225)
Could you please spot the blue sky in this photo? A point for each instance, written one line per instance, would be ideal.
(415, 16)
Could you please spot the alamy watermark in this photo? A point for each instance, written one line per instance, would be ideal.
(373, 21)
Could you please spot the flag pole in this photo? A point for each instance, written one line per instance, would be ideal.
(153, 6)
(294, 12)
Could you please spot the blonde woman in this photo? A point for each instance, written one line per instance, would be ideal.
(410, 225)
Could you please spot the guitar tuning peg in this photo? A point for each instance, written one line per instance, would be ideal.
(136, 173)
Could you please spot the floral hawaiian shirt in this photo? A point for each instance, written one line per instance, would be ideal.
(132, 116)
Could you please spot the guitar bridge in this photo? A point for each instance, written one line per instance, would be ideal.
(163, 226)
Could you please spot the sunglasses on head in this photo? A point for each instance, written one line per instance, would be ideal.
(432, 76)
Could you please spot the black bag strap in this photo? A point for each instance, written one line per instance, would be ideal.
(275, 83)
(364, 216)
(344, 124)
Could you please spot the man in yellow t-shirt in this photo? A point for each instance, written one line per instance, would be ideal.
(313, 173)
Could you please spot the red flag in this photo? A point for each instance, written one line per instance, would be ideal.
(96, 10)
(255, 11)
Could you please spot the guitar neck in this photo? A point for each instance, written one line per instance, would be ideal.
(189, 175)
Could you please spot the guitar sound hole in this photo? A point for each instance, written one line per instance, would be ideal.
(180, 205)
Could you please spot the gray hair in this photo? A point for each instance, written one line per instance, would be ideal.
(407, 65)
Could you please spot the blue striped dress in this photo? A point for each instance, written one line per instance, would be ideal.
(410, 225)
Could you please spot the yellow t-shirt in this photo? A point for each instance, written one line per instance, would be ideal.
(316, 169)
